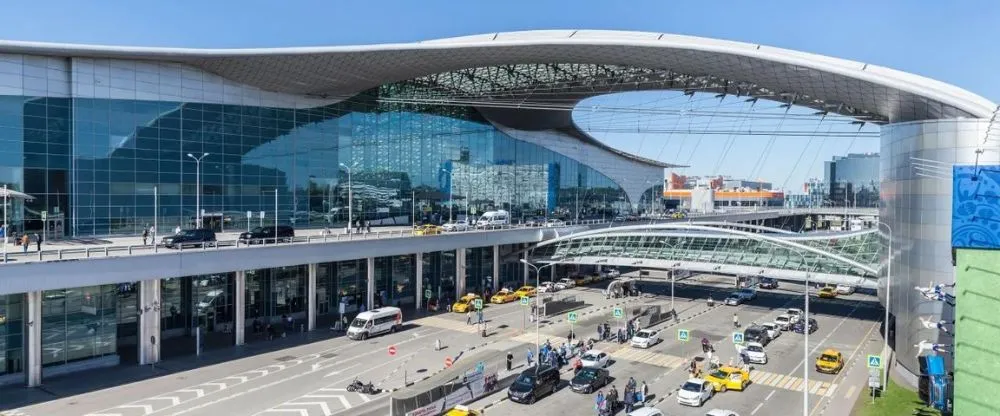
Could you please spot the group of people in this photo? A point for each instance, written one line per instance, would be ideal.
(274, 331)
(360, 225)
(621, 336)
(24, 240)
(608, 404)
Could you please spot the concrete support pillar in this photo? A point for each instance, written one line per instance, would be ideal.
(149, 322)
(419, 258)
(496, 268)
(552, 273)
(526, 270)
(371, 283)
(33, 368)
(598, 269)
(311, 298)
(240, 307)
(459, 273)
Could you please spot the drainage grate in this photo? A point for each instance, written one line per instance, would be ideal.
(285, 358)
(328, 355)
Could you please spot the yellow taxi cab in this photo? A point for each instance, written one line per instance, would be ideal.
(525, 291)
(830, 361)
(426, 230)
(504, 296)
(677, 215)
(465, 303)
(728, 378)
(460, 410)
(827, 292)
(582, 279)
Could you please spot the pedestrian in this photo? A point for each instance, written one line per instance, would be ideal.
(736, 320)
(599, 402)
(368, 226)
(644, 391)
(152, 234)
(510, 360)
(530, 357)
(629, 400)
(479, 314)
(145, 235)
(468, 318)
(177, 230)
(694, 369)
(600, 332)
(38, 241)
(25, 241)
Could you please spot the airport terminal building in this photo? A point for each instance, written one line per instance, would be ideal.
(110, 140)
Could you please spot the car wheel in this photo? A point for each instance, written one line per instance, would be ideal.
(723, 389)
(392, 330)
(531, 400)
(364, 336)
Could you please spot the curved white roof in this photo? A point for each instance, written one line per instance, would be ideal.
(821, 82)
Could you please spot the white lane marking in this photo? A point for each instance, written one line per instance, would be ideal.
(759, 405)
(364, 397)
(146, 409)
(301, 412)
(174, 401)
(322, 405)
(850, 392)
(769, 395)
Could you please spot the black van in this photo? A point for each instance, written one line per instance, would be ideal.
(189, 238)
(534, 383)
(756, 333)
(262, 235)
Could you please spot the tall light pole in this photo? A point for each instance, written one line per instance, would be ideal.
(888, 291)
(350, 199)
(197, 185)
(6, 229)
(805, 344)
(538, 305)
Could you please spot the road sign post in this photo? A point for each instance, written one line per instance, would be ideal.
(618, 313)
(874, 361)
(571, 317)
(478, 304)
(737, 337)
(683, 335)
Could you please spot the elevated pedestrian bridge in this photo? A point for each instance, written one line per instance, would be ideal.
(850, 257)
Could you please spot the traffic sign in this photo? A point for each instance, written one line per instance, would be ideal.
(478, 303)
(683, 335)
(525, 300)
(447, 362)
(874, 361)
(737, 337)
(619, 313)
(480, 367)
(428, 293)
(392, 350)
(571, 317)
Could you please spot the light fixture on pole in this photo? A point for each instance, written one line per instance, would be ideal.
(538, 305)
(350, 199)
(197, 193)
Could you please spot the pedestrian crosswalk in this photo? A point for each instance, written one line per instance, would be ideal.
(787, 382)
(325, 402)
(648, 357)
(445, 323)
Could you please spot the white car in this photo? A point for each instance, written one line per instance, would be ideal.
(795, 314)
(595, 358)
(548, 287)
(565, 283)
(645, 338)
(845, 290)
(720, 412)
(756, 353)
(460, 225)
(773, 331)
(552, 222)
(783, 321)
(695, 392)
(646, 411)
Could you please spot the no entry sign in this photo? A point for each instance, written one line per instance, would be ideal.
(392, 350)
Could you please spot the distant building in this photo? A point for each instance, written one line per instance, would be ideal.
(813, 195)
(852, 180)
(724, 192)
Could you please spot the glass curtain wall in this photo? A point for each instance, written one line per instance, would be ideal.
(395, 281)
(479, 269)
(78, 324)
(12, 333)
(511, 270)
(439, 278)
(276, 292)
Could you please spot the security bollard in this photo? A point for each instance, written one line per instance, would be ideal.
(437, 345)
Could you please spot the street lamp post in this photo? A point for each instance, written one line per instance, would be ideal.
(805, 344)
(538, 305)
(197, 193)
(350, 199)
(888, 291)
(6, 229)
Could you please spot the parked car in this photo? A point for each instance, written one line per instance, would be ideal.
(845, 289)
(196, 237)
(554, 222)
(504, 296)
(547, 287)
(457, 225)
(827, 293)
(268, 234)
(768, 283)
(589, 380)
(595, 358)
(645, 338)
(783, 321)
(565, 283)
(427, 230)
(755, 351)
(773, 330)
(525, 291)
(756, 333)
(800, 326)
(794, 313)
(534, 383)
(695, 392)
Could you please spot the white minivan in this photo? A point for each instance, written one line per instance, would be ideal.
(374, 322)
(494, 219)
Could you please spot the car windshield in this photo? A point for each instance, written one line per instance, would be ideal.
(755, 348)
(781, 318)
(719, 374)
(691, 386)
(188, 233)
(257, 230)
(525, 380)
(590, 357)
(587, 374)
(358, 323)
(828, 358)
(644, 334)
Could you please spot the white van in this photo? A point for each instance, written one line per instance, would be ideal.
(374, 322)
(494, 219)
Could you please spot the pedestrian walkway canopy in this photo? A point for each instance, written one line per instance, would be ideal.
(823, 257)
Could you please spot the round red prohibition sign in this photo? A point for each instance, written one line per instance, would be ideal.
(447, 362)
(392, 350)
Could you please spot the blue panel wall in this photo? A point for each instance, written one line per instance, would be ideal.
(975, 214)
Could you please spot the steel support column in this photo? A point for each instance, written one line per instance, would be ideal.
(420, 279)
(496, 268)
(239, 306)
(149, 322)
(311, 298)
(33, 368)
(459, 273)
(370, 301)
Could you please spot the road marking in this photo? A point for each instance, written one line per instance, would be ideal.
(322, 405)
(759, 405)
(364, 397)
(850, 392)
(769, 395)
(197, 392)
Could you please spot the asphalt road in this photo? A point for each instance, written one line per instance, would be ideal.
(310, 379)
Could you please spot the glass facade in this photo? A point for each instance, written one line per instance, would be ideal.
(95, 162)
(11, 333)
(79, 323)
(853, 180)
(439, 277)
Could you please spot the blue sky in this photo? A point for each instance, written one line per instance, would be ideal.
(955, 42)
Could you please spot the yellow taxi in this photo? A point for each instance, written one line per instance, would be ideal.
(426, 230)
(460, 410)
(830, 361)
(728, 378)
(525, 291)
(827, 292)
(504, 296)
(465, 303)
(582, 279)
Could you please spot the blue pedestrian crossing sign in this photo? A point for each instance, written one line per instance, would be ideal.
(619, 313)
(683, 335)
(525, 300)
(479, 303)
(480, 367)
(571, 317)
(737, 337)
(874, 361)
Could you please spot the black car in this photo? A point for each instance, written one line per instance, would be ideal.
(189, 238)
(756, 333)
(534, 383)
(268, 234)
(768, 283)
(589, 379)
(800, 326)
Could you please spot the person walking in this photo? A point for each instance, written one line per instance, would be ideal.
(530, 357)
(468, 318)
(25, 241)
(38, 241)
(629, 400)
(510, 360)
(736, 320)
(644, 392)
(145, 235)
